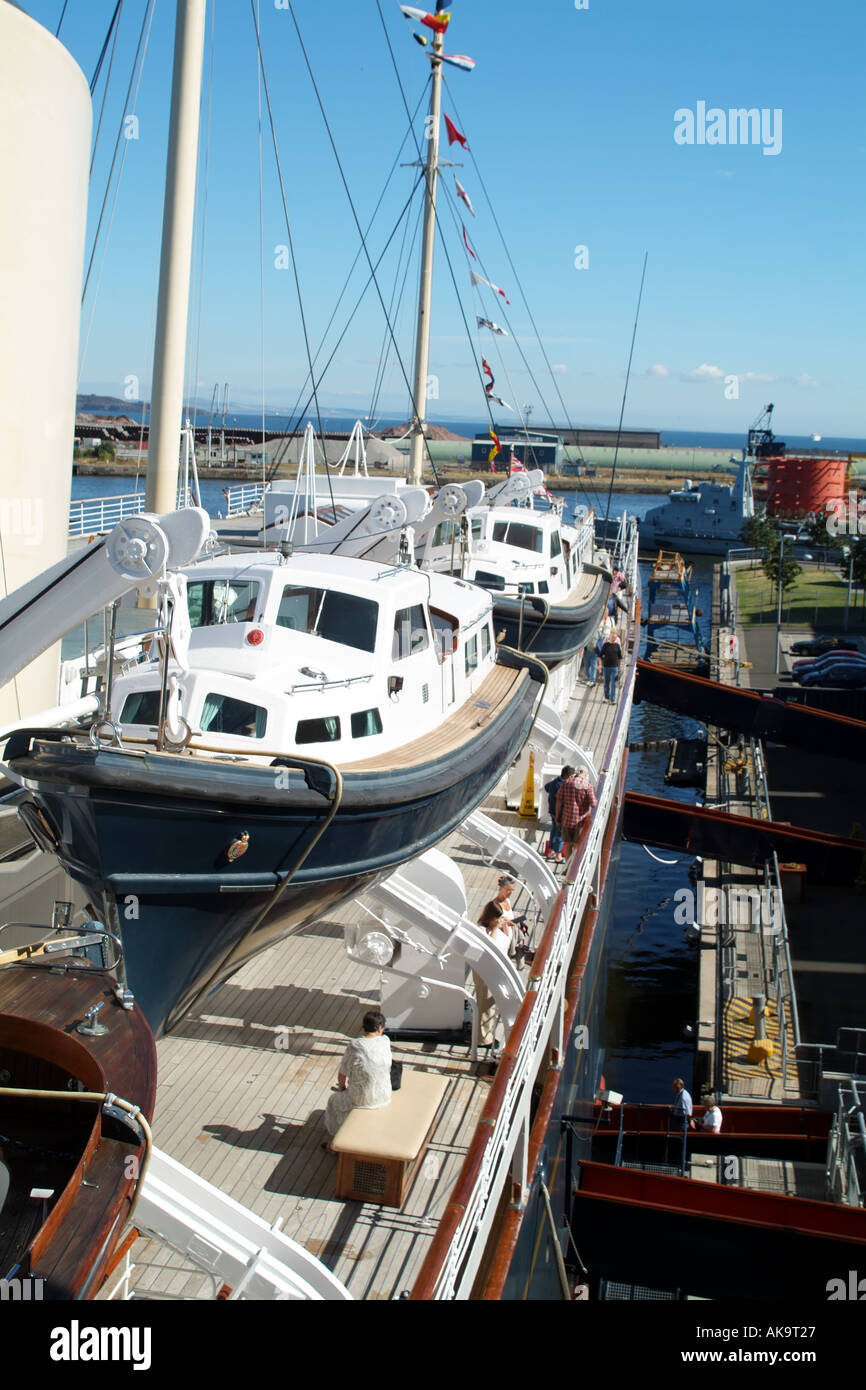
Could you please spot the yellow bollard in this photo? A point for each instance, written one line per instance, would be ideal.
(527, 801)
(760, 1050)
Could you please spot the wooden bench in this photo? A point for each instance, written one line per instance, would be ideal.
(380, 1150)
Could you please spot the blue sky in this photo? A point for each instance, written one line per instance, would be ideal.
(755, 267)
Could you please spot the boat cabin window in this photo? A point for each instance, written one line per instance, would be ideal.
(555, 545)
(141, 708)
(472, 654)
(445, 629)
(543, 586)
(446, 532)
(410, 633)
(212, 602)
(343, 618)
(489, 581)
(477, 528)
(526, 588)
(366, 723)
(222, 714)
(519, 534)
(318, 730)
(485, 640)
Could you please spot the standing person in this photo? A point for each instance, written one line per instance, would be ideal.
(555, 842)
(611, 657)
(711, 1120)
(496, 919)
(681, 1110)
(364, 1077)
(574, 802)
(590, 654)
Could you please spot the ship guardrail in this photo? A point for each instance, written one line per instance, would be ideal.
(95, 516)
(242, 498)
(497, 1159)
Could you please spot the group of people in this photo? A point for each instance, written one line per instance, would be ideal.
(570, 799)
(681, 1110)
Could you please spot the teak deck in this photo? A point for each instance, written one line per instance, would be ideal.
(243, 1087)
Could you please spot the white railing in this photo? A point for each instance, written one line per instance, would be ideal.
(242, 498)
(95, 516)
(456, 1275)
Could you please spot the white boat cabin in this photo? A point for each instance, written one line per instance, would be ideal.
(323, 655)
(513, 550)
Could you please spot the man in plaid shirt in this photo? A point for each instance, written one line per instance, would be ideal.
(574, 802)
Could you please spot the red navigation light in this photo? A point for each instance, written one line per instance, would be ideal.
(255, 637)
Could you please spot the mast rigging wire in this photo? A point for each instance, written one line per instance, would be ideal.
(356, 219)
(286, 215)
(625, 389)
(519, 284)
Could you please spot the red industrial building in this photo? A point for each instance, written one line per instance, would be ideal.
(799, 485)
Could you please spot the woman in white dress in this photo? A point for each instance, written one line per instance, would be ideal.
(364, 1078)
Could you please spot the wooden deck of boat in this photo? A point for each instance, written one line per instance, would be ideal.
(460, 728)
(243, 1085)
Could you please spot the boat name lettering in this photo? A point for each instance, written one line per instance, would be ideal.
(77, 1343)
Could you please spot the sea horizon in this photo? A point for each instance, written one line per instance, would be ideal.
(341, 423)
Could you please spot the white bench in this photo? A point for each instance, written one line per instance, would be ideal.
(380, 1150)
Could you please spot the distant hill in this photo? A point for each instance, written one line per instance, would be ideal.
(432, 432)
(91, 405)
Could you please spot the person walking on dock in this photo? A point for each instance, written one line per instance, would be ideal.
(496, 919)
(681, 1110)
(711, 1120)
(574, 802)
(554, 844)
(591, 653)
(611, 658)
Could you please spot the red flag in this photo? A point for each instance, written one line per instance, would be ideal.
(466, 244)
(454, 134)
(479, 280)
(515, 465)
(438, 22)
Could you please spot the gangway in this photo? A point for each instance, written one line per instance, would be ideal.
(501, 845)
(716, 834)
(225, 1239)
(751, 712)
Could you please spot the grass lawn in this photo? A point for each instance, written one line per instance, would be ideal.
(815, 599)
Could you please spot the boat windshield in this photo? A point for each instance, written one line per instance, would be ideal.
(338, 617)
(212, 602)
(519, 534)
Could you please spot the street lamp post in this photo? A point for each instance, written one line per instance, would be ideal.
(848, 590)
(782, 539)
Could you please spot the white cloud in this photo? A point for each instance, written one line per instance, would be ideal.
(724, 173)
(658, 369)
(559, 368)
(760, 378)
(704, 372)
(804, 379)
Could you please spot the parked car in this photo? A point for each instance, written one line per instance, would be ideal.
(807, 662)
(815, 646)
(844, 673)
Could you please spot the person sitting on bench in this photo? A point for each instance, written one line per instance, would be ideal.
(364, 1078)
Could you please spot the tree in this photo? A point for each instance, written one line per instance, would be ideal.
(105, 450)
(785, 573)
(759, 533)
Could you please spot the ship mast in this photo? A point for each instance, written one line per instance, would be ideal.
(425, 288)
(174, 275)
